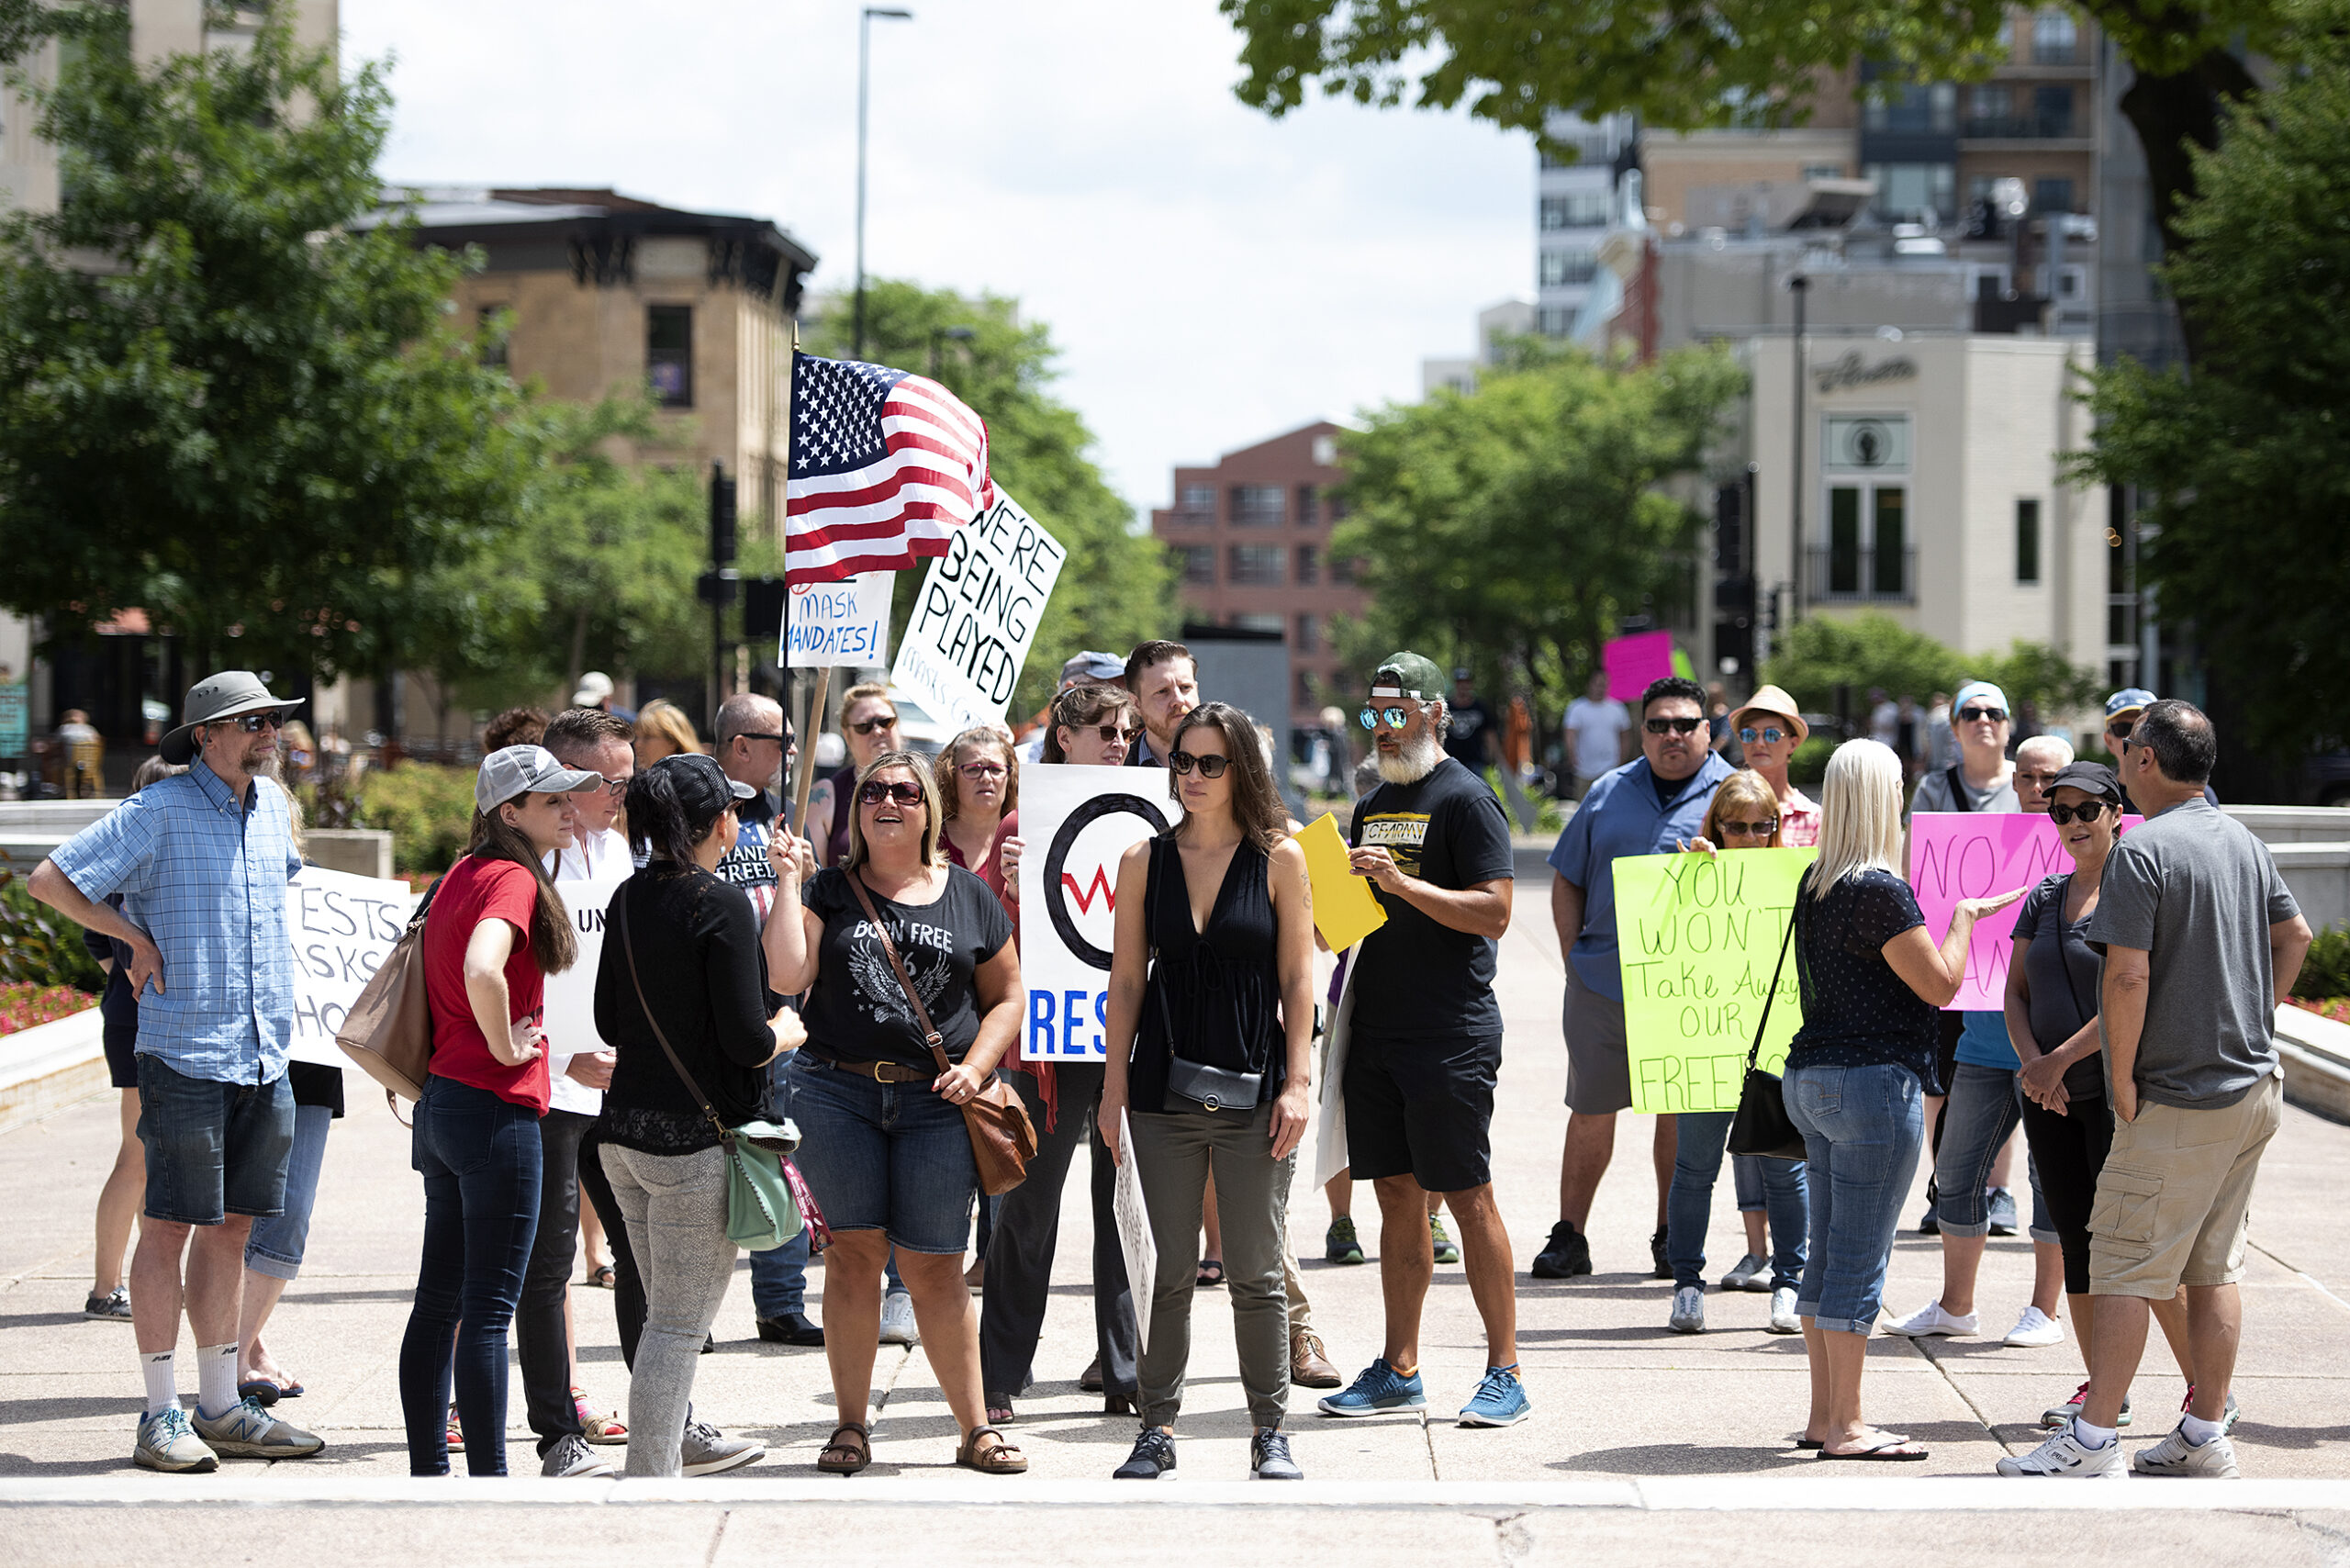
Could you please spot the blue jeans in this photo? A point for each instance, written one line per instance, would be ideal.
(481, 1162)
(1862, 1128)
(276, 1246)
(1981, 1114)
(888, 1157)
(1700, 1138)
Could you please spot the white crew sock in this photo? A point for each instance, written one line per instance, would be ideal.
(216, 1380)
(162, 1381)
(2092, 1437)
(2199, 1431)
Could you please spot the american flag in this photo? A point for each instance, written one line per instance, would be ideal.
(885, 467)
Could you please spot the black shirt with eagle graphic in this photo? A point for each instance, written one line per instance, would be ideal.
(857, 1010)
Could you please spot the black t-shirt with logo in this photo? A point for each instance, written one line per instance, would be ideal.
(1465, 740)
(1416, 977)
(857, 1010)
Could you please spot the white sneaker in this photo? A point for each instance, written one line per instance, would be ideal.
(2215, 1460)
(1688, 1311)
(1931, 1319)
(1783, 1311)
(2065, 1455)
(572, 1460)
(166, 1442)
(1753, 1273)
(898, 1319)
(2033, 1329)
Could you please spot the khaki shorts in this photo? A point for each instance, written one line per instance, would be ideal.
(1599, 1069)
(2176, 1195)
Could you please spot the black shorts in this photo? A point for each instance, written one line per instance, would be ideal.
(1422, 1108)
(122, 1062)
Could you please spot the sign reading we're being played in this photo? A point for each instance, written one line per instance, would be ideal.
(977, 615)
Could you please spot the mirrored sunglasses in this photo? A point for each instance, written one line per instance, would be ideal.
(1393, 718)
(1769, 735)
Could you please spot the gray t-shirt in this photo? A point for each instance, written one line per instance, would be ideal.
(2197, 892)
(1933, 794)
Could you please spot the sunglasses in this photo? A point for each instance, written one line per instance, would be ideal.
(254, 723)
(1975, 715)
(873, 791)
(1762, 829)
(1672, 726)
(763, 735)
(1769, 735)
(1108, 731)
(1210, 767)
(2088, 811)
(1393, 718)
(981, 769)
(866, 726)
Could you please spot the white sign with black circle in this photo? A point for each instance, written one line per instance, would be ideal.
(1075, 822)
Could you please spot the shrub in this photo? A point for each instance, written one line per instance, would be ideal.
(27, 1006)
(2326, 971)
(427, 810)
(1809, 763)
(40, 947)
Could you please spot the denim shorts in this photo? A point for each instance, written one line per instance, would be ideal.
(886, 1156)
(213, 1149)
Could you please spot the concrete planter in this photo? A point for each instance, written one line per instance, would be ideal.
(2316, 1053)
(50, 1066)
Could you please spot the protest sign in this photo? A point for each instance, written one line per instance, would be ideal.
(570, 1019)
(1135, 1238)
(1966, 854)
(1633, 662)
(1700, 939)
(341, 927)
(1074, 824)
(976, 617)
(830, 624)
(1345, 908)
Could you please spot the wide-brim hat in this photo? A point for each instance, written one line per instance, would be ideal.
(230, 694)
(1774, 701)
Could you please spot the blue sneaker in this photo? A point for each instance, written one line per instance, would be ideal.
(1500, 1401)
(1378, 1388)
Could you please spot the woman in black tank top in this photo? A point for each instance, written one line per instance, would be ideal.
(1211, 1032)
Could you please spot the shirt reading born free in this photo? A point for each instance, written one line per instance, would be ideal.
(856, 1011)
(204, 874)
(1625, 814)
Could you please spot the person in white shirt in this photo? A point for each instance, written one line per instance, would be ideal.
(1599, 734)
(1885, 719)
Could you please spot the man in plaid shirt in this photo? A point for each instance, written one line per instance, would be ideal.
(201, 861)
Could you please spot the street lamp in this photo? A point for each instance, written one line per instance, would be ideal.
(863, 54)
(939, 335)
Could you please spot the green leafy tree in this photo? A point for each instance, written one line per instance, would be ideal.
(2245, 467)
(1823, 652)
(1116, 588)
(222, 398)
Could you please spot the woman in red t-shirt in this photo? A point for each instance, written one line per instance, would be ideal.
(494, 930)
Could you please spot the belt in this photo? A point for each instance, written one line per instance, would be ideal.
(879, 1072)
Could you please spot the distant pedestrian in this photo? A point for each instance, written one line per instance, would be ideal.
(1941, 741)
(1087, 669)
(1473, 740)
(516, 726)
(661, 729)
(1165, 680)
(869, 728)
(1600, 736)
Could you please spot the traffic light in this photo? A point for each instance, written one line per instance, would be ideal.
(721, 516)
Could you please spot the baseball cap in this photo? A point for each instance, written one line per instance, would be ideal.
(1981, 691)
(1091, 664)
(594, 687)
(702, 786)
(1411, 674)
(2128, 699)
(227, 695)
(523, 769)
(2094, 777)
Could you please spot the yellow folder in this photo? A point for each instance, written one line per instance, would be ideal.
(1345, 908)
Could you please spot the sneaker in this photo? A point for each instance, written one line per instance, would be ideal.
(1269, 1457)
(453, 1434)
(1564, 1256)
(1931, 1319)
(897, 1320)
(1658, 1268)
(167, 1443)
(2065, 1455)
(706, 1451)
(1338, 1243)
(794, 1328)
(1784, 1319)
(1500, 1400)
(2215, 1460)
(1688, 1311)
(2035, 1329)
(1378, 1388)
(601, 1429)
(1309, 1363)
(2228, 1418)
(2062, 1415)
(115, 1304)
(1753, 1273)
(572, 1460)
(1926, 1224)
(248, 1432)
(1446, 1249)
(1153, 1457)
(2003, 1211)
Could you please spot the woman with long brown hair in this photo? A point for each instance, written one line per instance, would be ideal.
(1210, 1029)
(493, 930)
(978, 784)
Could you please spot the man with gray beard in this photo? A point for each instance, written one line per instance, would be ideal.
(1425, 1042)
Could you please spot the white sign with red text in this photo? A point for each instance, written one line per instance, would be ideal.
(1074, 824)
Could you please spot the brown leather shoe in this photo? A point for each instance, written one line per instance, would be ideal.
(1308, 1366)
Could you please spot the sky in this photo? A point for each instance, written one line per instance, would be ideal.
(1212, 278)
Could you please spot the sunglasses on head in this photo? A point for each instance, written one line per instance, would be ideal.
(1210, 767)
(1769, 735)
(1672, 726)
(873, 791)
(1393, 718)
(2088, 811)
(1975, 715)
(1762, 829)
(866, 726)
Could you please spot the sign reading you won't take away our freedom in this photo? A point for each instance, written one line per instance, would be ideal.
(1965, 855)
(1074, 824)
(976, 617)
(1699, 938)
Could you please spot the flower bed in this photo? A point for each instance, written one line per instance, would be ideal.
(23, 1006)
(2334, 1007)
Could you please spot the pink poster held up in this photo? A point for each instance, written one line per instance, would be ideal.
(1962, 855)
(1633, 662)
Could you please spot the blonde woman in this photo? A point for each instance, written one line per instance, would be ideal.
(663, 730)
(1873, 984)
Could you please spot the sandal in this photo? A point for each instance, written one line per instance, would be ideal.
(860, 1452)
(598, 1428)
(602, 1277)
(1000, 1412)
(1210, 1273)
(999, 1458)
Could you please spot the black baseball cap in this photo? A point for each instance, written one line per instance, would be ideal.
(2095, 777)
(702, 786)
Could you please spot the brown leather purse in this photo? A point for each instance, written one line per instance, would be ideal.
(1003, 1139)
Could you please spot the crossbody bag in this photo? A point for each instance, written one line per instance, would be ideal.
(1761, 1124)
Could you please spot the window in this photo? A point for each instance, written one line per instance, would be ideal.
(1197, 504)
(1588, 146)
(2056, 37)
(1260, 563)
(1921, 191)
(1555, 321)
(2052, 195)
(1258, 506)
(1308, 566)
(2051, 111)
(493, 348)
(1867, 554)
(1308, 635)
(669, 353)
(1342, 570)
(1199, 564)
(1992, 100)
(1259, 622)
(1915, 108)
(1576, 209)
(1823, 171)
(1306, 506)
(2028, 541)
(1562, 269)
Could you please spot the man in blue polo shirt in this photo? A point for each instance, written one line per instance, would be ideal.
(1646, 807)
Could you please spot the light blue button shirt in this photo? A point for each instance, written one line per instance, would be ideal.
(1622, 816)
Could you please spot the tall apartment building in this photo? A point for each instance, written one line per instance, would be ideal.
(1575, 202)
(1250, 535)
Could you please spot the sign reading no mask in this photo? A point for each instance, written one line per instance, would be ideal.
(976, 617)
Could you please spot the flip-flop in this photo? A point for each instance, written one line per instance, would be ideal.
(603, 1277)
(260, 1391)
(1812, 1444)
(1210, 1273)
(1896, 1450)
(289, 1391)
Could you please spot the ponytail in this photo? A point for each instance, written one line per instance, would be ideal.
(659, 822)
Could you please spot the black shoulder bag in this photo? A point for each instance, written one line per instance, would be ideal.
(1761, 1124)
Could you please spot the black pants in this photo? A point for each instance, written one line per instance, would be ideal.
(2069, 1151)
(628, 1285)
(540, 1340)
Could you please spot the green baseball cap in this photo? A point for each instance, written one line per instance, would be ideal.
(1413, 675)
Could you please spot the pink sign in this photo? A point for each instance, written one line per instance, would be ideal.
(1633, 662)
(1963, 855)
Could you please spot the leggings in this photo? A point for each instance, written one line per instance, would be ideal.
(2068, 1151)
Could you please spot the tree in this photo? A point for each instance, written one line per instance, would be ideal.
(1517, 524)
(1858, 651)
(2244, 467)
(1116, 588)
(1748, 63)
(223, 398)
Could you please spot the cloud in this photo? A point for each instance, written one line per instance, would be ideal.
(1212, 278)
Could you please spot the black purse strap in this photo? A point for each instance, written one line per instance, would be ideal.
(1754, 1052)
(628, 949)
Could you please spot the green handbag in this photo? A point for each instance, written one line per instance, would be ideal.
(761, 1211)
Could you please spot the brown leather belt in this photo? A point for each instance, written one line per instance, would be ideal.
(879, 1072)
